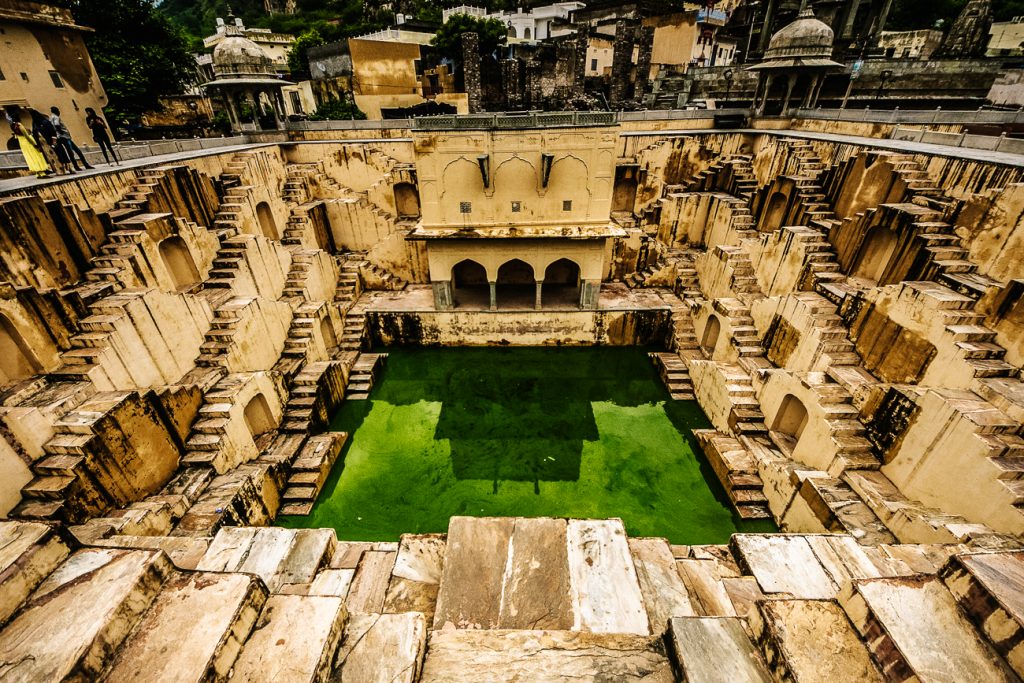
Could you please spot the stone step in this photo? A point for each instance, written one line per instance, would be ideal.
(278, 556)
(29, 551)
(989, 587)
(80, 615)
(715, 649)
(382, 647)
(500, 656)
(811, 640)
(294, 640)
(515, 573)
(915, 631)
(664, 593)
(193, 631)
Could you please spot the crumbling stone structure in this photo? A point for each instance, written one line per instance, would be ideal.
(177, 333)
(471, 70)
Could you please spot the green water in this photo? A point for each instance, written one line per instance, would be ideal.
(564, 432)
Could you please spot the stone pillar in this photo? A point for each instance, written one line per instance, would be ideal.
(790, 82)
(443, 300)
(580, 71)
(622, 61)
(590, 290)
(471, 70)
(512, 84)
(766, 28)
(643, 63)
(494, 295)
(229, 97)
(534, 92)
(537, 299)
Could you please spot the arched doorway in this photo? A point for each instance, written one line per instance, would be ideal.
(712, 330)
(327, 333)
(774, 212)
(517, 286)
(267, 223)
(790, 421)
(470, 288)
(407, 200)
(178, 261)
(17, 361)
(561, 284)
(875, 253)
(511, 32)
(258, 417)
(526, 33)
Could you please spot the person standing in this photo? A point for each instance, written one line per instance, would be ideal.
(64, 139)
(100, 134)
(46, 139)
(33, 155)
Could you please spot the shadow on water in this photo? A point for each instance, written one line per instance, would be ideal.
(584, 432)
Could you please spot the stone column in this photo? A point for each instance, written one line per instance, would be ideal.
(471, 70)
(580, 72)
(589, 292)
(537, 301)
(790, 82)
(512, 84)
(494, 295)
(769, 16)
(443, 300)
(622, 60)
(229, 98)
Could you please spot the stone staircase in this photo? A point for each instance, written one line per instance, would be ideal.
(353, 334)
(732, 174)
(736, 470)
(510, 599)
(309, 472)
(314, 393)
(227, 222)
(674, 374)
(136, 200)
(349, 284)
(744, 335)
(363, 374)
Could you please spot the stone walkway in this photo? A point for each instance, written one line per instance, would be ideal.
(907, 146)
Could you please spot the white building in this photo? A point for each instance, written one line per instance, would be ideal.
(531, 25)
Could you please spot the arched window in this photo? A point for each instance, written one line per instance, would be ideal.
(876, 251)
(178, 262)
(561, 286)
(711, 333)
(267, 223)
(526, 33)
(470, 288)
(790, 421)
(512, 31)
(258, 417)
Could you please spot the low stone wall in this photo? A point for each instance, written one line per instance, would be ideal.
(526, 328)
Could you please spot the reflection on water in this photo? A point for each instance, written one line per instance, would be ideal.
(577, 432)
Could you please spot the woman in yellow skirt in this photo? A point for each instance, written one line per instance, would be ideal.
(33, 155)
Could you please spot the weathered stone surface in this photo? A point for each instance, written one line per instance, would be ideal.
(605, 590)
(370, 584)
(470, 594)
(28, 552)
(915, 631)
(535, 582)
(665, 595)
(784, 564)
(714, 649)
(811, 640)
(381, 648)
(989, 587)
(293, 642)
(194, 630)
(72, 630)
(310, 550)
(334, 582)
(416, 575)
(495, 656)
(704, 586)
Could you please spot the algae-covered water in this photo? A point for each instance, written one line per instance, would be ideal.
(564, 432)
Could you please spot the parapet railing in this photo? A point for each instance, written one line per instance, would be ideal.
(349, 124)
(127, 150)
(920, 116)
(514, 121)
(994, 143)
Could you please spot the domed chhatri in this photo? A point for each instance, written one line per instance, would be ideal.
(244, 75)
(805, 37)
(802, 50)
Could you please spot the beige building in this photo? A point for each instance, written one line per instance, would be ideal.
(516, 220)
(1006, 38)
(44, 63)
(910, 44)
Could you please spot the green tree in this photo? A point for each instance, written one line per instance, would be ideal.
(139, 54)
(297, 62)
(448, 39)
(337, 110)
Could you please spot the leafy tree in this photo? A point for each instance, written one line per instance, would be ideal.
(448, 39)
(297, 62)
(139, 54)
(337, 110)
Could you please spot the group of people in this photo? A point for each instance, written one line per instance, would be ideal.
(49, 149)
